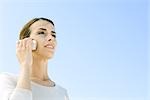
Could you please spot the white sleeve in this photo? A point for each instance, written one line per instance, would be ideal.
(8, 90)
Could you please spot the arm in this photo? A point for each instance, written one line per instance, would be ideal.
(24, 80)
(22, 89)
(24, 54)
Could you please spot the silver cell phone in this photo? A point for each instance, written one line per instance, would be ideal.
(34, 44)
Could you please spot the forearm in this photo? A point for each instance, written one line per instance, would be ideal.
(24, 78)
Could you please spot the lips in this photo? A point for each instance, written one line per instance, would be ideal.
(50, 46)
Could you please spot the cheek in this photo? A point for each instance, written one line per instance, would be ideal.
(40, 45)
(39, 42)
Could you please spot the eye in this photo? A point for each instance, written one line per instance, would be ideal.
(54, 35)
(41, 33)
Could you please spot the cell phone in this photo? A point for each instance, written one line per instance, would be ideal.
(34, 45)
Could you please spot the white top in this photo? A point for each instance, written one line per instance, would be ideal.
(8, 90)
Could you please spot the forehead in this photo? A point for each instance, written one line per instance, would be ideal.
(41, 24)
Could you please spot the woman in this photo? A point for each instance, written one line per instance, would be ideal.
(33, 82)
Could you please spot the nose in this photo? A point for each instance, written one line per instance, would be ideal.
(49, 37)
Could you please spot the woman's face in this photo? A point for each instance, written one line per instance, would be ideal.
(44, 33)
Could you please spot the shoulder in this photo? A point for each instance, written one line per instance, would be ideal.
(61, 89)
(6, 77)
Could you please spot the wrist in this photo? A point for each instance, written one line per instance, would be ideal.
(25, 70)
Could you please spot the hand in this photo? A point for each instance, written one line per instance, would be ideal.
(24, 52)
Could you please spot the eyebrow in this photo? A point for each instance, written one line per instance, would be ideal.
(43, 29)
(46, 30)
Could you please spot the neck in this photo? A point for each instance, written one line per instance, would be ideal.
(39, 69)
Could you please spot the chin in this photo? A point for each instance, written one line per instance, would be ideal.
(49, 56)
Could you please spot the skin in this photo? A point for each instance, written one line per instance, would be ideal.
(34, 63)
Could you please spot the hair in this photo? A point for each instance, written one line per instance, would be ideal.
(25, 32)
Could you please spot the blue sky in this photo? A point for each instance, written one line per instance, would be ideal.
(102, 51)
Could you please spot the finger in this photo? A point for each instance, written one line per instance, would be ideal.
(24, 43)
(20, 44)
(29, 43)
